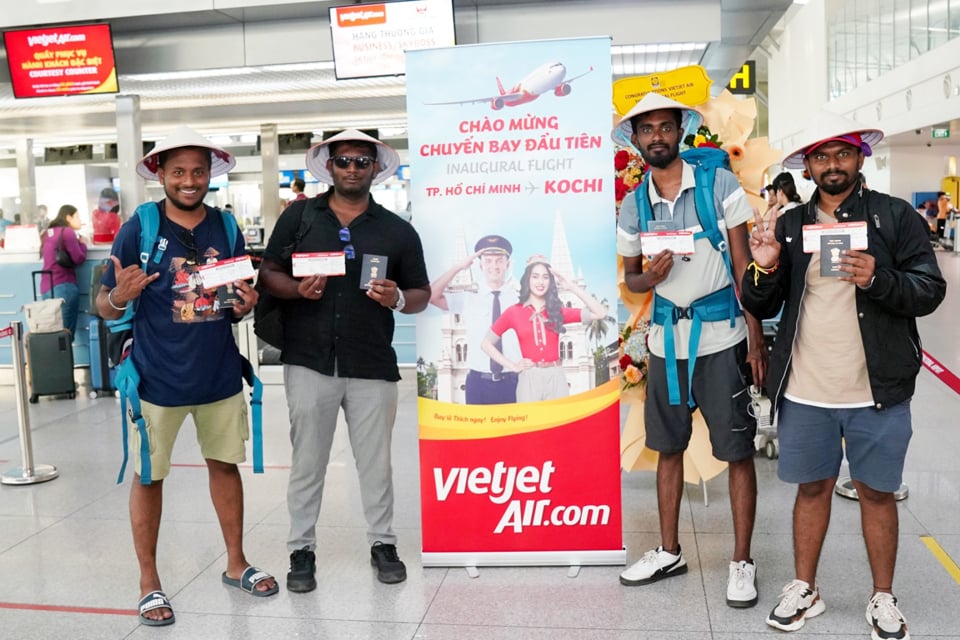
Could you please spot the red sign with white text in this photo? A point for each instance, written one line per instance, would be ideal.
(519, 478)
(56, 61)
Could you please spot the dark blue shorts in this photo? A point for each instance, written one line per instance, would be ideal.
(812, 443)
(721, 394)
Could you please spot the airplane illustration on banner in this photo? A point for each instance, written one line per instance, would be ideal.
(548, 77)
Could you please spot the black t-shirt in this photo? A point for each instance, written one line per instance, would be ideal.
(346, 333)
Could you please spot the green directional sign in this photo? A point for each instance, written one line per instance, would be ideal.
(940, 133)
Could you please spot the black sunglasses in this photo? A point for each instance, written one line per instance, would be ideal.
(348, 251)
(361, 162)
(190, 244)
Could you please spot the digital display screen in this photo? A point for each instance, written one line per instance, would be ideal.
(370, 39)
(61, 60)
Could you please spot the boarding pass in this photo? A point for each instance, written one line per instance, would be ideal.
(324, 263)
(856, 230)
(216, 274)
(679, 242)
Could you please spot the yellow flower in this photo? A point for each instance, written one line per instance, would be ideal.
(698, 140)
(632, 375)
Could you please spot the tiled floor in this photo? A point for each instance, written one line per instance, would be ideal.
(67, 568)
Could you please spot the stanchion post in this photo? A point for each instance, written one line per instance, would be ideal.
(28, 473)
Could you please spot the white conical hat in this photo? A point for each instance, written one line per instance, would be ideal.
(690, 119)
(827, 126)
(318, 154)
(221, 162)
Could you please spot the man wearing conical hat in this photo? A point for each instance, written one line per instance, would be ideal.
(184, 351)
(700, 356)
(338, 330)
(846, 356)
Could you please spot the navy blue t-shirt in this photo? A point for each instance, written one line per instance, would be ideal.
(183, 344)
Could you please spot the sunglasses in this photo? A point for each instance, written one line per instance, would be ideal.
(348, 251)
(190, 244)
(361, 162)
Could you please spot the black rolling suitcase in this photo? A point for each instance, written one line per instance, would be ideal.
(49, 359)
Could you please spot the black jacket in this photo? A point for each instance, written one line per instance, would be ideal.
(908, 284)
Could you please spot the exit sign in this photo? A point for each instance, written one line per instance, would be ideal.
(940, 133)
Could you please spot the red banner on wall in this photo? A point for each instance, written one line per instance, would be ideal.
(56, 61)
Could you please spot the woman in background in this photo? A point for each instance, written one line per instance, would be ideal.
(62, 232)
(538, 320)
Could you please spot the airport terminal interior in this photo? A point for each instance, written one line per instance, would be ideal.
(243, 71)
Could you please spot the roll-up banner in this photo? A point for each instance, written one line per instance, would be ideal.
(511, 192)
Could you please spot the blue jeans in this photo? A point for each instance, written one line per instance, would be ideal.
(71, 304)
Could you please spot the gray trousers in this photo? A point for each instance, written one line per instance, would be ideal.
(370, 408)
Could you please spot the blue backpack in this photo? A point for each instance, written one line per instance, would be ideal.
(719, 305)
(128, 378)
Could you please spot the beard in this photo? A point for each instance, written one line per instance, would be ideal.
(835, 188)
(180, 204)
(661, 158)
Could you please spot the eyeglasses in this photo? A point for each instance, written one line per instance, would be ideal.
(361, 162)
(348, 251)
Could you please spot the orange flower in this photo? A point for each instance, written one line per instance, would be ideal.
(735, 151)
(632, 375)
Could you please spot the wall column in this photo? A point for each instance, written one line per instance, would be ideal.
(129, 152)
(270, 186)
(27, 177)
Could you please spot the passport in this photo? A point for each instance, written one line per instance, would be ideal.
(831, 251)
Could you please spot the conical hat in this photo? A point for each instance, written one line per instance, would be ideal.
(827, 126)
(318, 154)
(221, 162)
(690, 120)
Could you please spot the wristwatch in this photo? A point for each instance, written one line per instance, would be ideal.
(401, 301)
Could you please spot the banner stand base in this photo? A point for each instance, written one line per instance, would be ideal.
(573, 559)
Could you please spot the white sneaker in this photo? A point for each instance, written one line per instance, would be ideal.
(654, 565)
(742, 584)
(797, 603)
(885, 618)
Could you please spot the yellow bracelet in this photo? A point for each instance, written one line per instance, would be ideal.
(757, 270)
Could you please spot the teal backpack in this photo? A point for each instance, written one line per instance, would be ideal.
(128, 378)
(719, 305)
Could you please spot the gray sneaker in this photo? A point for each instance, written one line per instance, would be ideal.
(797, 603)
(885, 619)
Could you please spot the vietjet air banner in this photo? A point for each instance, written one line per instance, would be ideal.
(511, 192)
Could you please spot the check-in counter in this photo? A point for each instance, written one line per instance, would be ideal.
(16, 289)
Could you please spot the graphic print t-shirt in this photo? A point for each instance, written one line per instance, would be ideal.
(183, 342)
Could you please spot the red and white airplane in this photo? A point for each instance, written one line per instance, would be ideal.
(548, 77)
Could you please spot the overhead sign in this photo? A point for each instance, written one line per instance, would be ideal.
(744, 82)
(371, 39)
(688, 85)
(940, 133)
(56, 61)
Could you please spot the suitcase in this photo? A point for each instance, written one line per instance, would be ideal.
(95, 274)
(50, 362)
(50, 357)
(102, 375)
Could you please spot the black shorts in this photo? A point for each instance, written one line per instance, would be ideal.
(720, 391)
